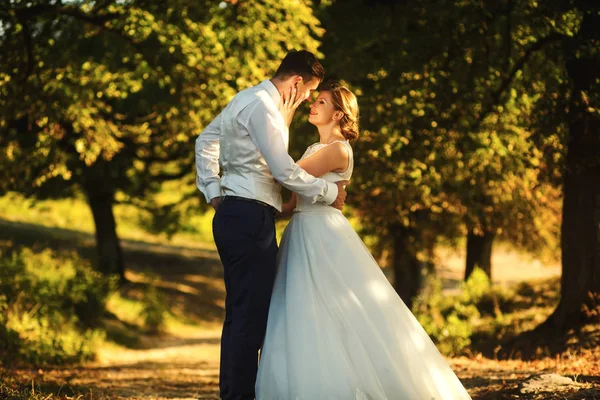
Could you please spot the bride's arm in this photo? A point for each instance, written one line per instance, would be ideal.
(333, 158)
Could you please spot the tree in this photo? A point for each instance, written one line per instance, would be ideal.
(107, 97)
(555, 49)
(443, 150)
(580, 281)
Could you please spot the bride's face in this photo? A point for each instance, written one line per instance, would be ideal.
(322, 111)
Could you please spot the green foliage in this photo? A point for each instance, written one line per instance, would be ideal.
(450, 321)
(52, 304)
(74, 214)
(446, 145)
(462, 124)
(107, 98)
(10, 341)
(155, 306)
(481, 316)
(125, 88)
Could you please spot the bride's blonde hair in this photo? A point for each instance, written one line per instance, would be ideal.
(345, 101)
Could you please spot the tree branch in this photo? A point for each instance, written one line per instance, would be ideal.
(508, 33)
(73, 11)
(28, 48)
(508, 80)
(98, 20)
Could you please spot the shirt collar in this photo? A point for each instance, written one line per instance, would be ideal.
(272, 90)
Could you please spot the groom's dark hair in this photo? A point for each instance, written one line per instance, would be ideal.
(303, 63)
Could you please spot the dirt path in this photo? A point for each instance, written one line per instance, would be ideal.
(182, 367)
(186, 367)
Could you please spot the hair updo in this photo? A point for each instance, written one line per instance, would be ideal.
(345, 101)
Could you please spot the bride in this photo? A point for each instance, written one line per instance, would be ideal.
(336, 327)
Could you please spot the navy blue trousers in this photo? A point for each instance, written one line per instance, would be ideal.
(244, 233)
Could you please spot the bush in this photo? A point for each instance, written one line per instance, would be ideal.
(50, 304)
(154, 306)
(450, 320)
(10, 340)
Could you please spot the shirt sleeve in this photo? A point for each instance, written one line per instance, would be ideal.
(265, 127)
(208, 180)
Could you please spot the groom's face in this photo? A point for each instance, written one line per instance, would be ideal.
(306, 89)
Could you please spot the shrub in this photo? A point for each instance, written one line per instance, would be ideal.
(10, 341)
(154, 306)
(51, 304)
(450, 320)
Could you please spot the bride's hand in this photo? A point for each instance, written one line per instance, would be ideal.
(341, 197)
(289, 103)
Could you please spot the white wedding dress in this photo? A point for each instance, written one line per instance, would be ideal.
(336, 328)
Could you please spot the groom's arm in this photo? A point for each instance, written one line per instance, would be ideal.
(207, 160)
(265, 126)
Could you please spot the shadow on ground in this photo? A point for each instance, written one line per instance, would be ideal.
(190, 278)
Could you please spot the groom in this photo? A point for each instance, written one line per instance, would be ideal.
(248, 142)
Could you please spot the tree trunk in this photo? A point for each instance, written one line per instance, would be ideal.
(110, 255)
(580, 237)
(408, 273)
(580, 233)
(479, 253)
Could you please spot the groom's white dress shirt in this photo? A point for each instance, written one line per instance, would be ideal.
(249, 139)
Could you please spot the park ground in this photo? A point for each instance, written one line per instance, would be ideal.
(182, 361)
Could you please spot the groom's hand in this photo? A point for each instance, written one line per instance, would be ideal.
(341, 197)
(215, 202)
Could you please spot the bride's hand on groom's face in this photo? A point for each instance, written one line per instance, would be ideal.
(290, 100)
(341, 197)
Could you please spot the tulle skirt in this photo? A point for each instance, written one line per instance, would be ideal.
(338, 330)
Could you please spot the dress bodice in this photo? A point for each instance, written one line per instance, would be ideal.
(304, 204)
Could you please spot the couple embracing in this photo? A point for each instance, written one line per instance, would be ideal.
(318, 309)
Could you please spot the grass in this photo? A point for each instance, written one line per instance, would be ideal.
(74, 214)
(36, 387)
